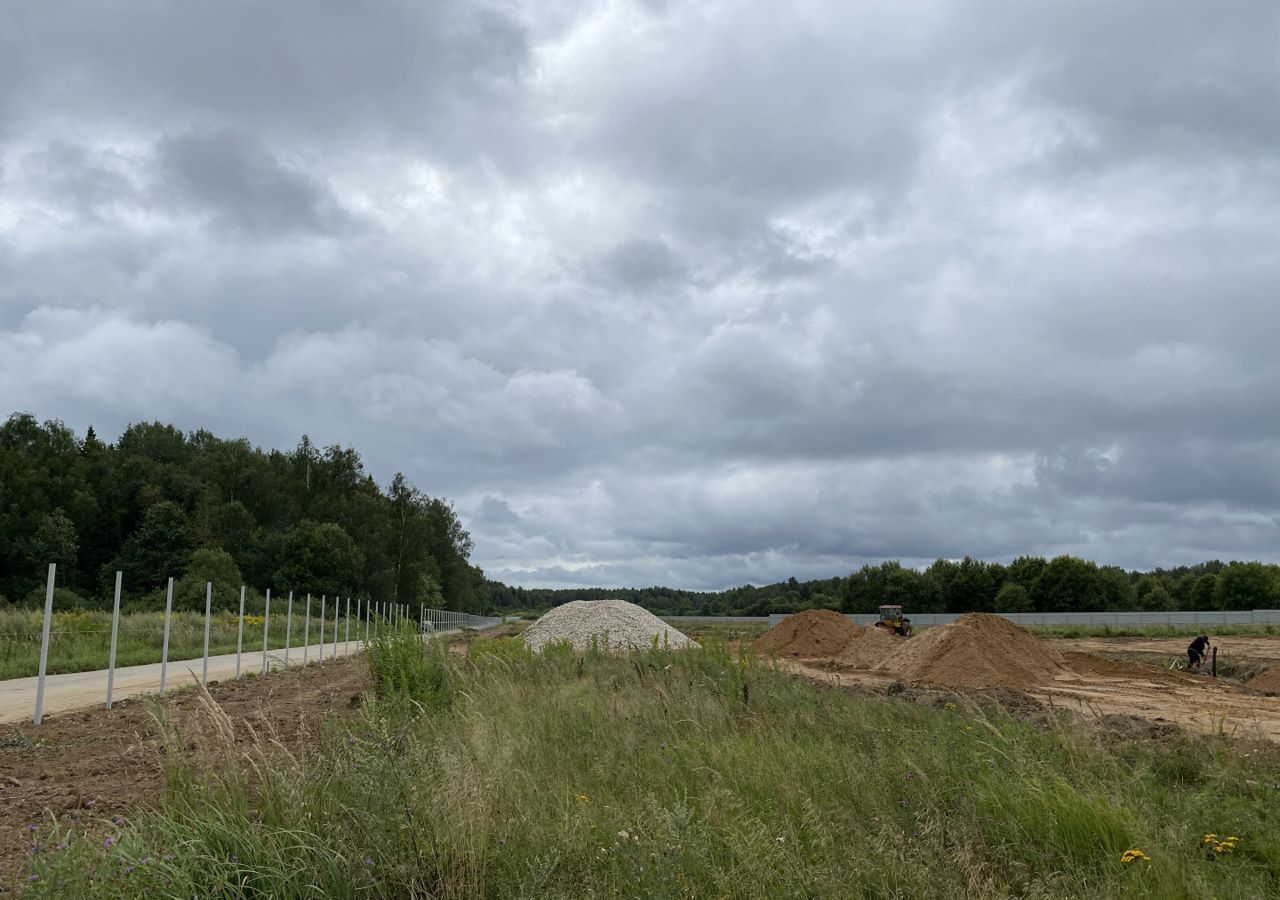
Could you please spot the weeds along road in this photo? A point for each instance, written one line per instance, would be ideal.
(80, 690)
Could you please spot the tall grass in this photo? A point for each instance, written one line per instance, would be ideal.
(407, 667)
(683, 774)
(80, 641)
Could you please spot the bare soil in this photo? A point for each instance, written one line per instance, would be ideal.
(1268, 682)
(1242, 647)
(86, 767)
(808, 634)
(1141, 699)
(977, 650)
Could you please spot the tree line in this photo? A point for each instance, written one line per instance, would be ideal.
(160, 503)
(1028, 584)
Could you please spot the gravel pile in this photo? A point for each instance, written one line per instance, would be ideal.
(617, 625)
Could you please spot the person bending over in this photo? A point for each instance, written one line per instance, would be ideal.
(1196, 651)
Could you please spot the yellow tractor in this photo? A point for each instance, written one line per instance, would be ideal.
(892, 621)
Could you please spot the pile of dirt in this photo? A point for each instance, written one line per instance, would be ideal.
(611, 624)
(1268, 682)
(812, 634)
(868, 649)
(977, 650)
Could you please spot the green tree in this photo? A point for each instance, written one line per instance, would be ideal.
(972, 589)
(318, 557)
(160, 548)
(55, 542)
(1156, 598)
(209, 564)
(888, 583)
(1246, 585)
(1013, 598)
(1026, 571)
(1068, 584)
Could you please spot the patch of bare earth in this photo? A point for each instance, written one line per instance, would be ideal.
(87, 766)
(1142, 698)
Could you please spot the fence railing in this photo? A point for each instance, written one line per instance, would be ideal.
(437, 620)
(337, 622)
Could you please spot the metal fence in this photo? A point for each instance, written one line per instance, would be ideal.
(1114, 619)
(438, 620)
(344, 625)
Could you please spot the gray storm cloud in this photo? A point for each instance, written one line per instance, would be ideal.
(682, 293)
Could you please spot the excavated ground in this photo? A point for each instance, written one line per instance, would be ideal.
(1106, 690)
(981, 653)
(89, 766)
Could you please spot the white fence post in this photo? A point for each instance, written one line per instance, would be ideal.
(115, 630)
(322, 600)
(208, 610)
(346, 647)
(288, 627)
(306, 633)
(358, 623)
(164, 650)
(266, 622)
(337, 610)
(44, 641)
(240, 632)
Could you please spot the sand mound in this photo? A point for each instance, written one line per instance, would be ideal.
(1268, 681)
(812, 634)
(615, 624)
(977, 650)
(870, 648)
(1090, 665)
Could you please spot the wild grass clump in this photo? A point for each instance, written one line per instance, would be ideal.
(406, 666)
(679, 774)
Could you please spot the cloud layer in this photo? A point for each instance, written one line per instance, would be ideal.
(674, 292)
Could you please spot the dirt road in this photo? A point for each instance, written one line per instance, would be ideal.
(79, 690)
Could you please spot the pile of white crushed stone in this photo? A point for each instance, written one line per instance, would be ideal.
(616, 624)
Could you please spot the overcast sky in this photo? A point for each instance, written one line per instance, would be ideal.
(687, 293)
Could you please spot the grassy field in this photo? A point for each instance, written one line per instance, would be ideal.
(81, 641)
(683, 775)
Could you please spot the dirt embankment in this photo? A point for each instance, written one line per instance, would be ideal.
(1268, 682)
(86, 767)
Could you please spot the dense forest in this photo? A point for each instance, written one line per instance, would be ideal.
(159, 503)
(1028, 584)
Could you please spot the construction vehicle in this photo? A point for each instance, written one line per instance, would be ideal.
(892, 621)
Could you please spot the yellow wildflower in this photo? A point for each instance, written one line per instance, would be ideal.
(1130, 855)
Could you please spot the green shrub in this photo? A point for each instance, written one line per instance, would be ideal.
(407, 666)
